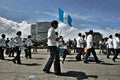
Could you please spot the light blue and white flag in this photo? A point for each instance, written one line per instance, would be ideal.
(63, 17)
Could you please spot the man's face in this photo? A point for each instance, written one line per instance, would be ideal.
(55, 26)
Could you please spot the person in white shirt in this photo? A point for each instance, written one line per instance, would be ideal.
(110, 46)
(116, 45)
(79, 47)
(2, 46)
(90, 48)
(18, 44)
(54, 54)
(11, 45)
(29, 43)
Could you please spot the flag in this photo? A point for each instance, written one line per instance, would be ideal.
(63, 17)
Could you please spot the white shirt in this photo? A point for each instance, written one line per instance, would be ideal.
(52, 37)
(110, 43)
(79, 42)
(18, 41)
(28, 42)
(116, 43)
(2, 42)
(89, 41)
(11, 44)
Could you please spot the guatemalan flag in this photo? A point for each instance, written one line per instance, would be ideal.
(63, 17)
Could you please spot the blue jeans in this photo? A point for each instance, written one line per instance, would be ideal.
(54, 56)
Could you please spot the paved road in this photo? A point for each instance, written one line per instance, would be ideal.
(31, 69)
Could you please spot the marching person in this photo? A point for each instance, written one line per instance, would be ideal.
(29, 43)
(116, 45)
(11, 45)
(18, 43)
(90, 48)
(79, 47)
(110, 46)
(2, 46)
(54, 54)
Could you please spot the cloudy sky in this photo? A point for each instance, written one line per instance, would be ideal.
(99, 15)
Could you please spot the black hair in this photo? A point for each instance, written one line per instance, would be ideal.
(110, 36)
(79, 34)
(83, 36)
(54, 23)
(3, 35)
(91, 32)
(29, 36)
(116, 35)
(19, 33)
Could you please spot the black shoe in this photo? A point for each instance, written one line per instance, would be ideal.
(57, 73)
(19, 63)
(113, 60)
(14, 61)
(108, 57)
(86, 62)
(45, 71)
(98, 61)
(30, 57)
(78, 59)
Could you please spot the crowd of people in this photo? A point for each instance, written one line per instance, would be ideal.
(57, 47)
(15, 45)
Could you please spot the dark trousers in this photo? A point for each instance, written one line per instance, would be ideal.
(109, 52)
(2, 53)
(80, 52)
(11, 52)
(28, 52)
(116, 53)
(17, 57)
(54, 56)
(88, 54)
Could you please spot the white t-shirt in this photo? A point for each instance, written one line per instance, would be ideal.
(79, 42)
(52, 37)
(89, 41)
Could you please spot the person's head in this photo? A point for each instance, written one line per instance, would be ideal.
(116, 35)
(19, 33)
(79, 34)
(29, 36)
(54, 24)
(91, 32)
(110, 36)
(3, 35)
(83, 36)
(11, 38)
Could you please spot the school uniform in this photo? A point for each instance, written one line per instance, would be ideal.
(90, 49)
(79, 48)
(18, 44)
(110, 47)
(28, 43)
(54, 54)
(11, 45)
(2, 47)
(116, 46)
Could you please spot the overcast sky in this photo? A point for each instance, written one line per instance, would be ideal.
(99, 15)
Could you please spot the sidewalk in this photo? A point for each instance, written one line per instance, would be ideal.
(31, 69)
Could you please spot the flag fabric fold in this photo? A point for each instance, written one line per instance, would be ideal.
(64, 17)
